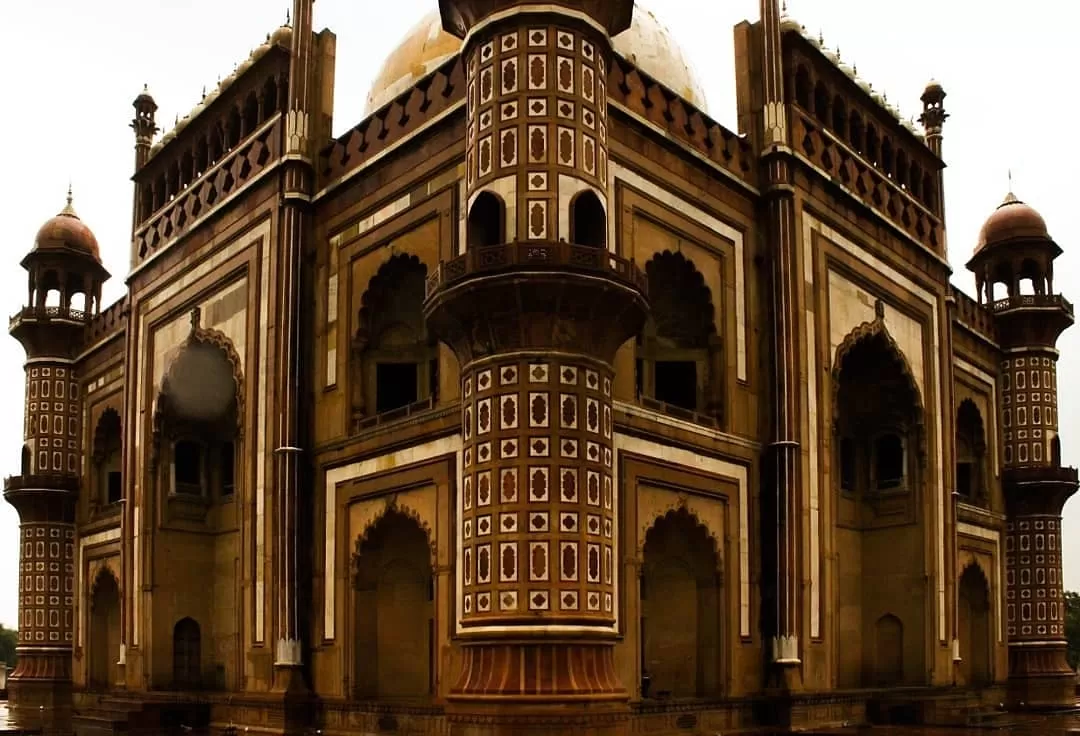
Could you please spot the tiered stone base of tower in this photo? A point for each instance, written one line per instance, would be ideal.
(535, 330)
(1039, 675)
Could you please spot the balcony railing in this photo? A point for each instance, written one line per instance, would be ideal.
(1040, 473)
(42, 481)
(539, 255)
(1033, 300)
(47, 313)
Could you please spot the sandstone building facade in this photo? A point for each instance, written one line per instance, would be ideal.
(539, 395)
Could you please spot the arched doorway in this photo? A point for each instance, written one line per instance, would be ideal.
(974, 627)
(394, 612)
(680, 610)
(187, 655)
(104, 632)
(881, 596)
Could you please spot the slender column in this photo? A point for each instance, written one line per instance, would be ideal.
(288, 453)
(785, 448)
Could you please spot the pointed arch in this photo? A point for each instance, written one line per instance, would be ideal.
(869, 331)
(104, 629)
(974, 623)
(681, 608)
(393, 610)
(395, 506)
(970, 453)
(680, 511)
(104, 577)
(679, 351)
(394, 357)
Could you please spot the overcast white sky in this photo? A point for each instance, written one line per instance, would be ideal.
(74, 68)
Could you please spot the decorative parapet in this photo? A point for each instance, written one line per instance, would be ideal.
(867, 183)
(108, 323)
(974, 316)
(237, 167)
(1023, 474)
(536, 256)
(644, 96)
(425, 101)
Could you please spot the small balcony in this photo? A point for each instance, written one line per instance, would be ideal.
(42, 482)
(1033, 301)
(48, 314)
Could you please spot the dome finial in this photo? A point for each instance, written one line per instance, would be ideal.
(68, 208)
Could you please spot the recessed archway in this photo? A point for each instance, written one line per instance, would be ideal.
(104, 639)
(393, 637)
(975, 627)
(681, 605)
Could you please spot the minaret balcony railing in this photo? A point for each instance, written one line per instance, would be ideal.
(42, 314)
(1035, 301)
(1040, 474)
(541, 255)
(42, 481)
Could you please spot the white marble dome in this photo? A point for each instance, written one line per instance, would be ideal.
(647, 44)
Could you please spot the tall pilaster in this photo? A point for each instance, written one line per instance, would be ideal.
(289, 562)
(535, 320)
(63, 262)
(145, 128)
(782, 622)
(933, 120)
(1015, 246)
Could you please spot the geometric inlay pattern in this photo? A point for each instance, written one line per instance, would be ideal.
(1035, 609)
(51, 421)
(1028, 408)
(537, 528)
(46, 597)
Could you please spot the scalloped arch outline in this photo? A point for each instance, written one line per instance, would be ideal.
(672, 513)
(394, 506)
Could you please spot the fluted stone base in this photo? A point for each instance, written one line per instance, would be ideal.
(540, 673)
(1040, 679)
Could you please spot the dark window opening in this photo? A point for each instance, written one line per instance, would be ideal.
(847, 464)
(25, 467)
(228, 469)
(114, 486)
(1055, 452)
(639, 377)
(964, 478)
(889, 462)
(395, 386)
(588, 222)
(187, 461)
(486, 221)
(676, 383)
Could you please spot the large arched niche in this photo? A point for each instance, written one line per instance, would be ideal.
(679, 357)
(199, 418)
(103, 640)
(681, 599)
(392, 613)
(395, 360)
(877, 468)
(975, 625)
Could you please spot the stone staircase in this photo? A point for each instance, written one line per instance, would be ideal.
(115, 714)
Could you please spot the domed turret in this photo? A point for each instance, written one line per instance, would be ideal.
(1014, 246)
(66, 232)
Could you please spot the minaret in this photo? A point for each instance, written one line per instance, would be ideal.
(535, 311)
(63, 262)
(782, 570)
(933, 121)
(1015, 248)
(289, 558)
(145, 128)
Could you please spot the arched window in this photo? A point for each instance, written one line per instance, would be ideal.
(970, 453)
(821, 102)
(887, 157)
(487, 221)
(27, 459)
(234, 128)
(251, 113)
(802, 87)
(839, 117)
(395, 361)
(269, 98)
(588, 221)
(679, 357)
(107, 452)
(855, 131)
